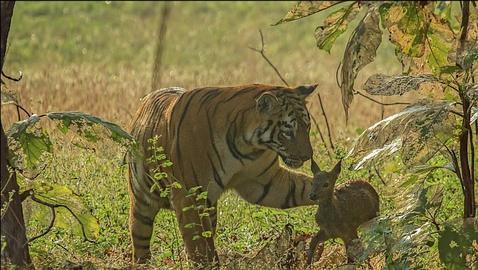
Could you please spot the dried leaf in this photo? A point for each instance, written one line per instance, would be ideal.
(380, 84)
(335, 25)
(406, 23)
(306, 8)
(421, 129)
(360, 51)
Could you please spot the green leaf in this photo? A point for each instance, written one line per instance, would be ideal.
(306, 8)
(334, 26)
(31, 144)
(455, 243)
(380, 84)
(469, 58)
(85, 224)
(440, 46)
(360, 51)
(83, 119)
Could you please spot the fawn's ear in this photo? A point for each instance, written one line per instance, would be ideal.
(338, 167)
(314, 167)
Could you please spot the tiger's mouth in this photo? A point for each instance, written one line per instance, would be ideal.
(292, 162)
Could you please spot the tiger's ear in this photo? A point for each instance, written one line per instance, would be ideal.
(305, 90)
(267, 103)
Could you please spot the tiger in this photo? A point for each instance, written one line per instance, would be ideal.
(218, 139)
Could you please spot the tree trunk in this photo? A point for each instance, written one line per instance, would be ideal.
(13, 224)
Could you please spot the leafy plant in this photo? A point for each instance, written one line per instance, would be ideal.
(438, 53)
(29, 142)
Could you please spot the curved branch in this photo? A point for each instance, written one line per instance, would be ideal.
(51, 205)
(12, 78)
(263, 54)
(378, 102)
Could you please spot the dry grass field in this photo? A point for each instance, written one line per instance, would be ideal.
(97, 57)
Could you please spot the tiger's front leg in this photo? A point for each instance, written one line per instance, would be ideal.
(197, 229)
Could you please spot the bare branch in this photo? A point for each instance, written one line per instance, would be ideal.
(379, 175)
(321, 136)
(378, 102)
(20, 76)
(326, 122)
(263, 54)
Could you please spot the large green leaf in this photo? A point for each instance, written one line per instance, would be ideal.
(335, 25)
(306, 8)
(360, 51)
(28, 141)
(27, 144)
(65, 200)
(440, 41)
(416, 133)
(82, 120)
(384, 85)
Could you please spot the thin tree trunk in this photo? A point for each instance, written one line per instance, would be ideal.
(13, 224)
(465, 161)
(156, 76)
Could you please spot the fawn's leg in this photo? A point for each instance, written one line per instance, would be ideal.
(319, 240)
(353, 248)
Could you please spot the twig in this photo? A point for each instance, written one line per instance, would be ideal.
(326, 122)
(12, 78)
(23, 109)
(321, 136)
(379, 175)
(51, 205)
(156, 76)
(263, 54)
(378, 102)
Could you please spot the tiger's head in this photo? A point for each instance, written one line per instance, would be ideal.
(285, 124)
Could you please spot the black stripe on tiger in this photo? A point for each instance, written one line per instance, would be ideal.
(213, 144)
(274, 160)
(217, 178)
(181, 119)
(140, 237)
(141, 246)
(267, 187)
(143, 219)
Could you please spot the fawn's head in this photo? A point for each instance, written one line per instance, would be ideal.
(323, 182)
